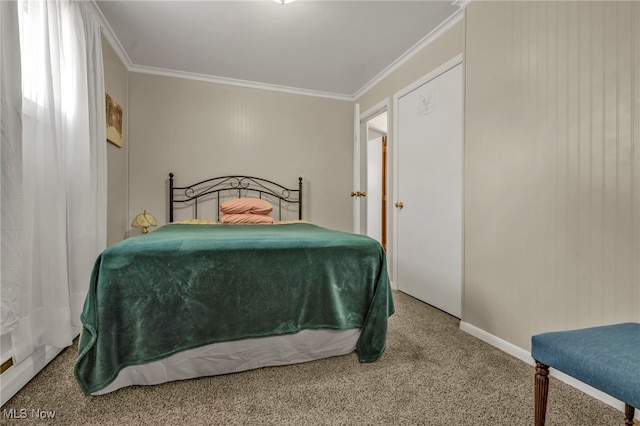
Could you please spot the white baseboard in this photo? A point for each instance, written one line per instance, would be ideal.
(525, 356)
(12, 380)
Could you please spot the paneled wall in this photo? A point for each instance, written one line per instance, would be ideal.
(198, 130)
(552, 166)
(116, 83)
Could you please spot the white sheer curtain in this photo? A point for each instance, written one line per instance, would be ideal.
(64, 169)
(10, 167)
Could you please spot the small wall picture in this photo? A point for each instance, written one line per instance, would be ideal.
(114, 121)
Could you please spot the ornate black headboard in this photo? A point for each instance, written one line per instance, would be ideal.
(220, 188)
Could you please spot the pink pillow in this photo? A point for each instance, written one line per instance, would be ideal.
(245, 218)
(246, 205)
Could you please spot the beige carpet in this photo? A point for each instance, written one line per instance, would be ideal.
(431, 374)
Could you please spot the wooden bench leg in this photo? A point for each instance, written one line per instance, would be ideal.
(629, 411)
(541, 385)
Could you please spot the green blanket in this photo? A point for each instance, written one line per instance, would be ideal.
(185, 286)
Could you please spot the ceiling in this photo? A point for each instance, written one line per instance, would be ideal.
(329, 47)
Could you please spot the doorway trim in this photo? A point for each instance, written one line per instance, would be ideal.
(456, 60)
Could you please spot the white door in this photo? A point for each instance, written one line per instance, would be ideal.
(429, 218)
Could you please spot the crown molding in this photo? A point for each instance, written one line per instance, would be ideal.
(110, 36)
(456, 17)
(237, 82)
(108, 33)
(460, 3)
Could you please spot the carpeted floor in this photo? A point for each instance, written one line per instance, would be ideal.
(431, 374)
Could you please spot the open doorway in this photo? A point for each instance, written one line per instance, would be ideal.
(377, 178)
(373, 174)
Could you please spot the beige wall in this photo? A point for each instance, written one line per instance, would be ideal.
(552, 166)
(116, 78)
(198, 130)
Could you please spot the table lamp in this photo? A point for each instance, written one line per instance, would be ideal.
(144, 220)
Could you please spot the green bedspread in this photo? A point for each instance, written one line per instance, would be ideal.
(185, 286)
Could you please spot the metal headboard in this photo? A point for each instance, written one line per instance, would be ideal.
(239, 186)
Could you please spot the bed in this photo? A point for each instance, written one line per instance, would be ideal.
(198, 297)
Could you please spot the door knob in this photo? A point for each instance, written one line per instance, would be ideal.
(353, 194)
(399, 204)
(362, 194)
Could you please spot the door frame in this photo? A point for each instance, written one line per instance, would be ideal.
(359, 163)
(455, 61)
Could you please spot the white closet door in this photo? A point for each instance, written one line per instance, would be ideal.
(429, 225)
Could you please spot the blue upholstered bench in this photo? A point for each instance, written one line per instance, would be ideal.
(607, 358)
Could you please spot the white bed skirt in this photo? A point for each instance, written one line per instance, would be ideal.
(241, 355)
